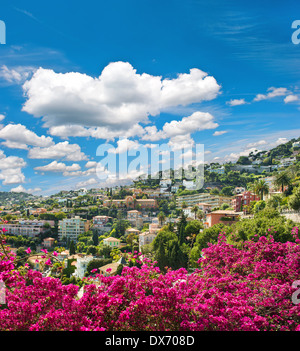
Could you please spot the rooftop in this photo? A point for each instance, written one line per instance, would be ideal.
(224, 212)
(111, 239)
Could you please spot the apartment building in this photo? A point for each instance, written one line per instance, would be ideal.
(72, 227)
(194, 199)
(100, 223)
(135, 218)
(131, 202)
(145, 238)
(30, 228)
(243, 200)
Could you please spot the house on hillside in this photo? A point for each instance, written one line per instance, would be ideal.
(226, 217)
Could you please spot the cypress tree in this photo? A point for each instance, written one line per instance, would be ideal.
(72, 248)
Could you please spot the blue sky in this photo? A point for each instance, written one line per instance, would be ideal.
(76, 75)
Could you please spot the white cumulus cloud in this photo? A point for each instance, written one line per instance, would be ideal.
(63, 150)
(111, 105)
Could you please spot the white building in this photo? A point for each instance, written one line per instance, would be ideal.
(296, 144)
(30, 228)
(71, 228)
(81, 266)
(145, 238)
(285, 162)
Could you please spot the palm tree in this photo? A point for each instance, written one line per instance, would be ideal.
(282, 179)
(262, 187)
(254, 187)
(161, 217)
(195, 209)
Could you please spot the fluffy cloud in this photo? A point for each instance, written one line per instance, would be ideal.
(124, 145)
(88, 182)
(16, 75)
(291, 98)
(63, 150)
(236, 102)
(90, 164)
(14, 145)
(75, 104)
(196, 122)
(18, 189)
(272, 93)
(95, 132)
(11, 169)
(152, 134)
(220, 132)
(254, 147)
(257, 143)
(180, 142)
(18, 136)
(187, 125)
(58, 167)
(21, 189)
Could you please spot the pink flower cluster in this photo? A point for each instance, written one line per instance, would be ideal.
(233, 289)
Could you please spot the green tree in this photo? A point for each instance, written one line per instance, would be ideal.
(160, 255)
(72, 248)
(184, 205)
(176, 257)
(95, 238)
(192, 227)
(274, 201)
(91, 250)
(195, 254)
(227, 191)
(60, 215)
(282, 179)
(161, 217)
(181, 228)
(200, 214)
(294, 200)
(259, 205)
(243, 160)
(262, 188)
(210, 235)
(195, 209)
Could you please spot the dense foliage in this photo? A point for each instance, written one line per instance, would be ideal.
(247, 288)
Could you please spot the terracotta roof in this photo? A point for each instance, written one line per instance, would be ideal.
(113, 266)
(224, 212)
(111, 239)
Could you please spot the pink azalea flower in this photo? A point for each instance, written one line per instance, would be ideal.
(28, 250)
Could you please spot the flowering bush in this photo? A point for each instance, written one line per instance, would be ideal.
(246, 288)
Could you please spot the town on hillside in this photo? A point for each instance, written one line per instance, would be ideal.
(101, 230)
